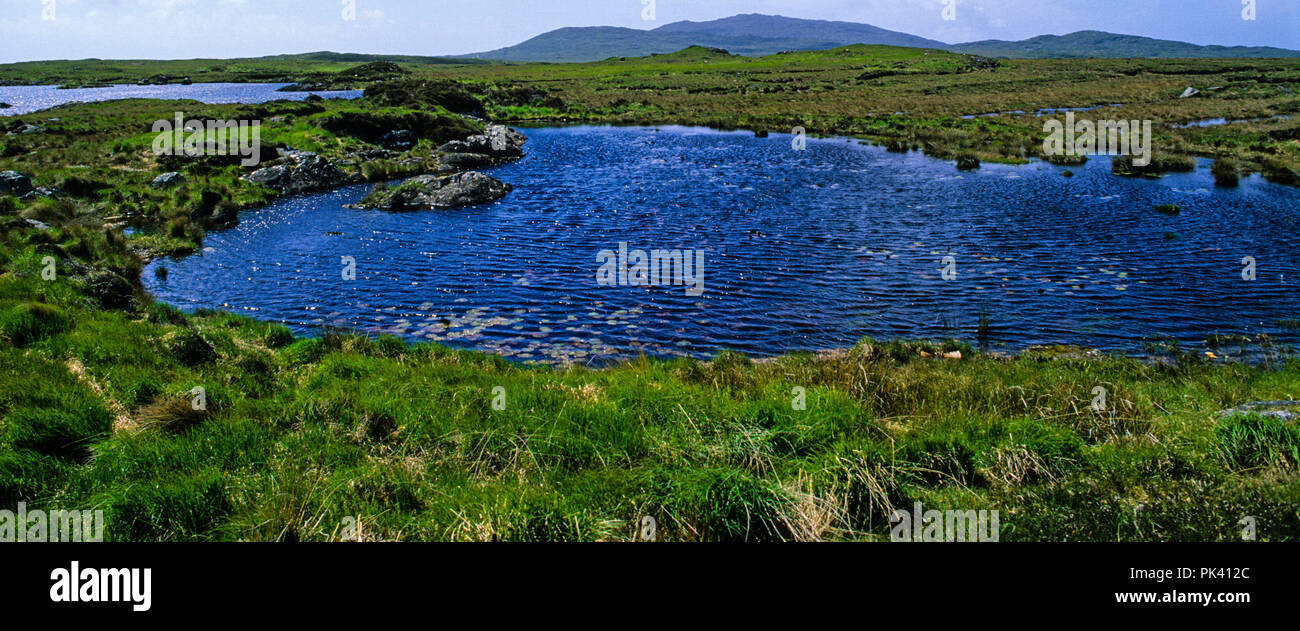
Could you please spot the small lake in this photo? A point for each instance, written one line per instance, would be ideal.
(803, 250)
(28, 99)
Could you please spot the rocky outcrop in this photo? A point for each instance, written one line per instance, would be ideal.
(1280, 410)
(300, 171)
(167, 180)
(438, 191)
(15, 183)
(24, 128)
(398, 140)
(495, 145)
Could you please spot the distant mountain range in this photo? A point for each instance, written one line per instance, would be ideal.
(756, 34)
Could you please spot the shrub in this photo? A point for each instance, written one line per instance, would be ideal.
(167, 510)
(57, 433)
(1251, 440)
(1226, 172)
(189, 347)
(33, 321)
(173, 414)
(278, 336)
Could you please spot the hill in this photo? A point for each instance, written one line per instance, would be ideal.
(758, 35)
(1110, 45)
(752, 35)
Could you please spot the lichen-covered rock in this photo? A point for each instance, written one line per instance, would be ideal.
(15, 183)
(438, 191)
(300, 171)
(497, 141)
(167, 180)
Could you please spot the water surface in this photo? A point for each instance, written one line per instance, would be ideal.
(804, 250)
(26, 99)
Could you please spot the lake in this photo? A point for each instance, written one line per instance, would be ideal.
(802, 250)
(27, 99)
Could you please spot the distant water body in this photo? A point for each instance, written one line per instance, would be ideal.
(28, 99)
(803, 250)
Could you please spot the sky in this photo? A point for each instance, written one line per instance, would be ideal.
(182, 29)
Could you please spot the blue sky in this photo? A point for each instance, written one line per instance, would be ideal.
(242, 28)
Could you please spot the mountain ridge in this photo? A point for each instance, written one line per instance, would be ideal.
(758, 34)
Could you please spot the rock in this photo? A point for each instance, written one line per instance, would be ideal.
(466, 161)
(301, 171)
(15, 183)
(167, 180)
(498, 141)
(5, 106)
(439, 191)
(399, 140)
(313, 98)
(25, 128)
(112, 291)
(1270, 409)
(1189, 93)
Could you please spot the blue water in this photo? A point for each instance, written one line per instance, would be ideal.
(804, 250)
(27, 99)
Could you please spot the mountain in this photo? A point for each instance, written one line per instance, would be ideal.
(742, 34)
(1101, 44)
(756, 34)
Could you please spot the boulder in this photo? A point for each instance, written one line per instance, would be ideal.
(467, 161)
(301, 171)
(399, 140)
(498, 141)
(15, 183)
(1281, 410)
(167, 180)
(111, 290)
(439, 191)
(1189, 93)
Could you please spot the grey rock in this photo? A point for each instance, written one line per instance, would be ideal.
(398, 140)
(167, 180)
(15, 183)
(498, 141)
(301, 171)
(1189, 93)
(1281, 410)
(445, 191)
(466, 161)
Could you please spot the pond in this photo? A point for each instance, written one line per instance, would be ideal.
(801, 250)
(26, 99)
